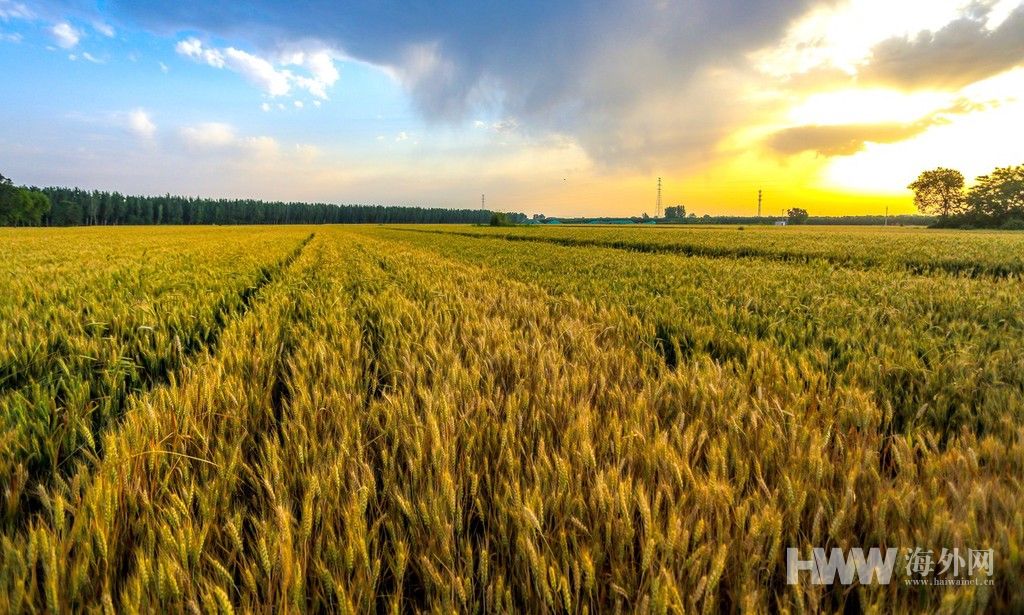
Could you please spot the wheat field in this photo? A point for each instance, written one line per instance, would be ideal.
(464, 419)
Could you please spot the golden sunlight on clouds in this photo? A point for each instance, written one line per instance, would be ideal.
(842, 35)
(974, 144)
(853, 105)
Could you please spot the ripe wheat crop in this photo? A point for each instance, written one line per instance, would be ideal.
(990, 253)
(388, 420)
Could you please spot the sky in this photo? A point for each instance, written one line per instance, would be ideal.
(573, 107)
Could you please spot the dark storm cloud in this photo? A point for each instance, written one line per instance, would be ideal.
(624, 78)
(961, 53)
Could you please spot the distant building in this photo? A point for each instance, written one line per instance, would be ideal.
(781, 223)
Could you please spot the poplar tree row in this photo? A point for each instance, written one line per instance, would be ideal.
(72, 207)
(22, 206)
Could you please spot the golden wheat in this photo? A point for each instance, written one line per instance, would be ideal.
(396, 421)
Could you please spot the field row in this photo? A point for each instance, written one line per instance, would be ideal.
(941, 351)
(990, 253)
(400, 421)
(99, 314)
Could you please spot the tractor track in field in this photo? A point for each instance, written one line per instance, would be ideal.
(43, 472)
(966, 269)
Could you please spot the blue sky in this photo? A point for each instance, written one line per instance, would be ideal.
(568, 107)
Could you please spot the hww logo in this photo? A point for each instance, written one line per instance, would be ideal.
(825, 569)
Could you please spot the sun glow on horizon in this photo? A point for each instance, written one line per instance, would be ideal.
(847, 132)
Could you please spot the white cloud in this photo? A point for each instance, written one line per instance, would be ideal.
(66, 35)
(316, 103)
(209, 135)
(14, 10)
(323, 72)
(88, 56)
(141, 124)
(14, 37)
(841, 35)
(1000, 11)
(258, 71)
(402, 136)
(254, 68)
(164, 68)
(193, 48)
(311, 86)
(298, 104)
(273, 80)
(265, 107)
(321, 64)
(223, 138)
(104, 28)
(190, 47)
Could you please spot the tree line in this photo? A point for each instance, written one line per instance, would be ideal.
(72, 207)
(21, 206)
(995, 200)
(76, 207)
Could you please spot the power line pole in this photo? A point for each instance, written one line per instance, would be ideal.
(482, 202)
(758, 203)
(886, 214)
(657, 205)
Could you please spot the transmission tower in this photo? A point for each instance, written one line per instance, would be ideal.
(657, 205)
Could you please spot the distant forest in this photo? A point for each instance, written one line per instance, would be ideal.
(75, 207)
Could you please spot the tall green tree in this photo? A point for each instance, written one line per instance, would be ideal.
(10, 201)
(939, 192)
(675, 211)
(38, 206)
(17, 205)
(797, 215)
(500, 218)
(21, 206)
(66, 213)
(999, 195)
